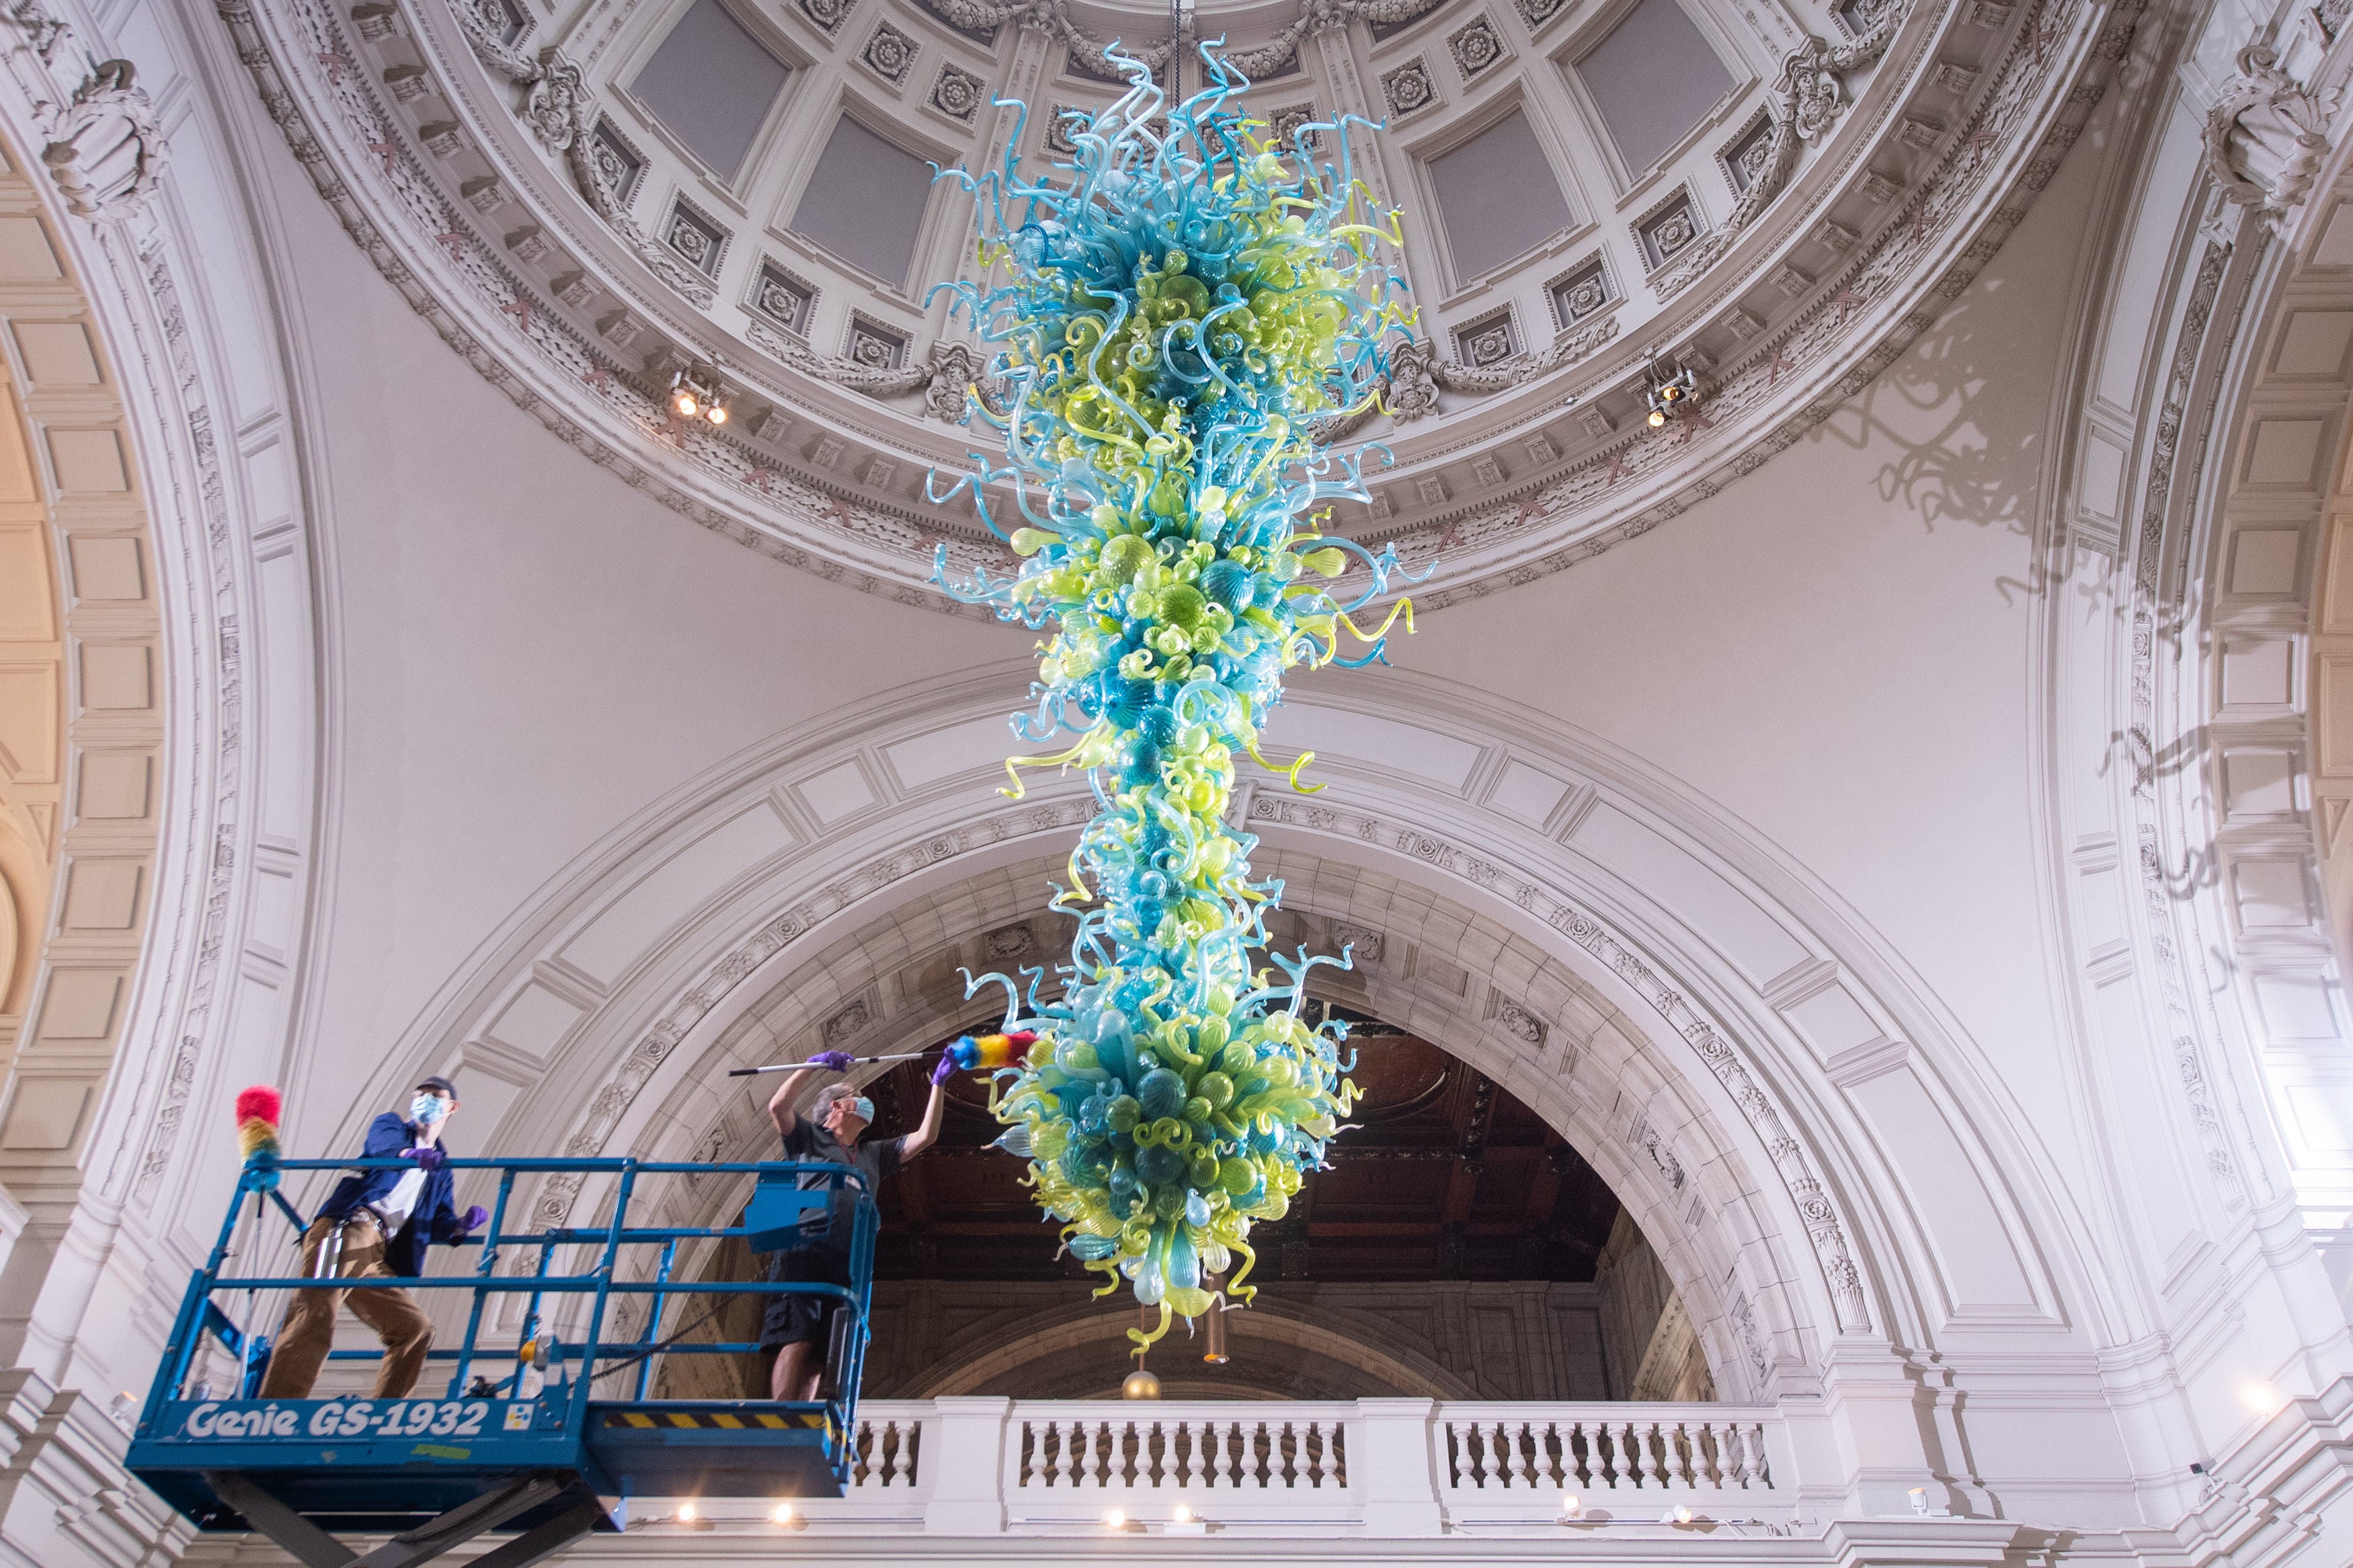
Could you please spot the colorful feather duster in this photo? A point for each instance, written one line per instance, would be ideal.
(258, 1112)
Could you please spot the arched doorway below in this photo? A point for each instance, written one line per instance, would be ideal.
(1454, 1247)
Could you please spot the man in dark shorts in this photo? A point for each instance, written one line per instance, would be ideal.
(797, 1327)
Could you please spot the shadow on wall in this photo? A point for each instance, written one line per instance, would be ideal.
(1975, 456)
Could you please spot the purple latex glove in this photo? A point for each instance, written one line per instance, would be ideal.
(836, 1060)
(944, 1069)
(428, 1156)
(471, 1220)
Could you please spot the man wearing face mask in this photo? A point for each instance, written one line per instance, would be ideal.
(375, 1226)
(797, 1328)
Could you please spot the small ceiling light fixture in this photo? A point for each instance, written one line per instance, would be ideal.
(1115, 1518)
(696, 389)
(784, 1513)
(1669, 395)
(1571, 1506)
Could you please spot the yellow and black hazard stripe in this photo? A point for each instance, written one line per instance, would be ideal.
(705, 1420)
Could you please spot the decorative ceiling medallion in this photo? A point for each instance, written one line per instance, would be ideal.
(1059, 122)
(1536, 13)
(505, 20)
(619, 164)
(828, 15)
(696, 236)
(873, 346)
(889, 54)
(1748, 157)
(783, 297)
(1580, 292)
(1492, 340)
(958, 94)
(1283, 126)
(1476, 46)
(1408, 88)
(1667, 228)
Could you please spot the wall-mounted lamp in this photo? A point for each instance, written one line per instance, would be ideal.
(1668, 394)
(696, 391)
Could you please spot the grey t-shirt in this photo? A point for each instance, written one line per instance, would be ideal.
(876, 1159)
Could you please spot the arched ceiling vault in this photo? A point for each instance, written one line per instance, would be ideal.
(512, 178)
(1797, 1129)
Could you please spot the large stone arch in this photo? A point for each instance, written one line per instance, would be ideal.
(1836, 1133)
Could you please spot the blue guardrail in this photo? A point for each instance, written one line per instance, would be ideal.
(545, 1429)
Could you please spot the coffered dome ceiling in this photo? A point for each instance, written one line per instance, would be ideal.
(1780, 194)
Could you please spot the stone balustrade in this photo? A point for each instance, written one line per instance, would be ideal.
(1375, 1467)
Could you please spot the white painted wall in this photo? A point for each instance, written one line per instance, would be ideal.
(529, 653)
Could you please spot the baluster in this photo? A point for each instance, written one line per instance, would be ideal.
(1311, 1453)
(1109, 1445)
(1531, 1444)
(1752, 1459)
(1336, 1447)
(1254, 1455)
(1621, 1456)
(1044, 1457)
(903, 1455)
(1235, 1463)
(1190, 1464)
(1652, 1440)
(878, 1456)
(1500, 1454)
(1076, 1442)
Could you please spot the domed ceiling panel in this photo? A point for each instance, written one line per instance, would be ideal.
(1653, 79)
(711, 84)
(1777, 198)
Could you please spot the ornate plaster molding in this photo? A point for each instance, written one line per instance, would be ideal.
(857, 543)
(1847, 326)
(2265, 136)
(1811, 94)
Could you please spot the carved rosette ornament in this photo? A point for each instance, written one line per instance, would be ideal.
(106, 150)
(2265, 136)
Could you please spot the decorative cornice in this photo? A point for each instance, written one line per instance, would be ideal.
(855, 543)
(1786, 381)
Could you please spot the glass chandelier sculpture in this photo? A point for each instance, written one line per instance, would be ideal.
(1174, 309)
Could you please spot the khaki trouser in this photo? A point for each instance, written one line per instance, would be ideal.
(309, 1330)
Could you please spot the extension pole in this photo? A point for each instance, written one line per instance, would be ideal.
(795, 1067)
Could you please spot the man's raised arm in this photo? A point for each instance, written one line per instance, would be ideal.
(780, 1111)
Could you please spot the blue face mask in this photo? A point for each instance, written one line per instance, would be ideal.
(861, 1108)
(427, 1108)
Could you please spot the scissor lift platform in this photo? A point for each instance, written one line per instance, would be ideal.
(535, 1452)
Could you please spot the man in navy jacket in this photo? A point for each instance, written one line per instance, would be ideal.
(377, 1225)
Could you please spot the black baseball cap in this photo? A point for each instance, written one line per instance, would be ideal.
(443, 1084)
